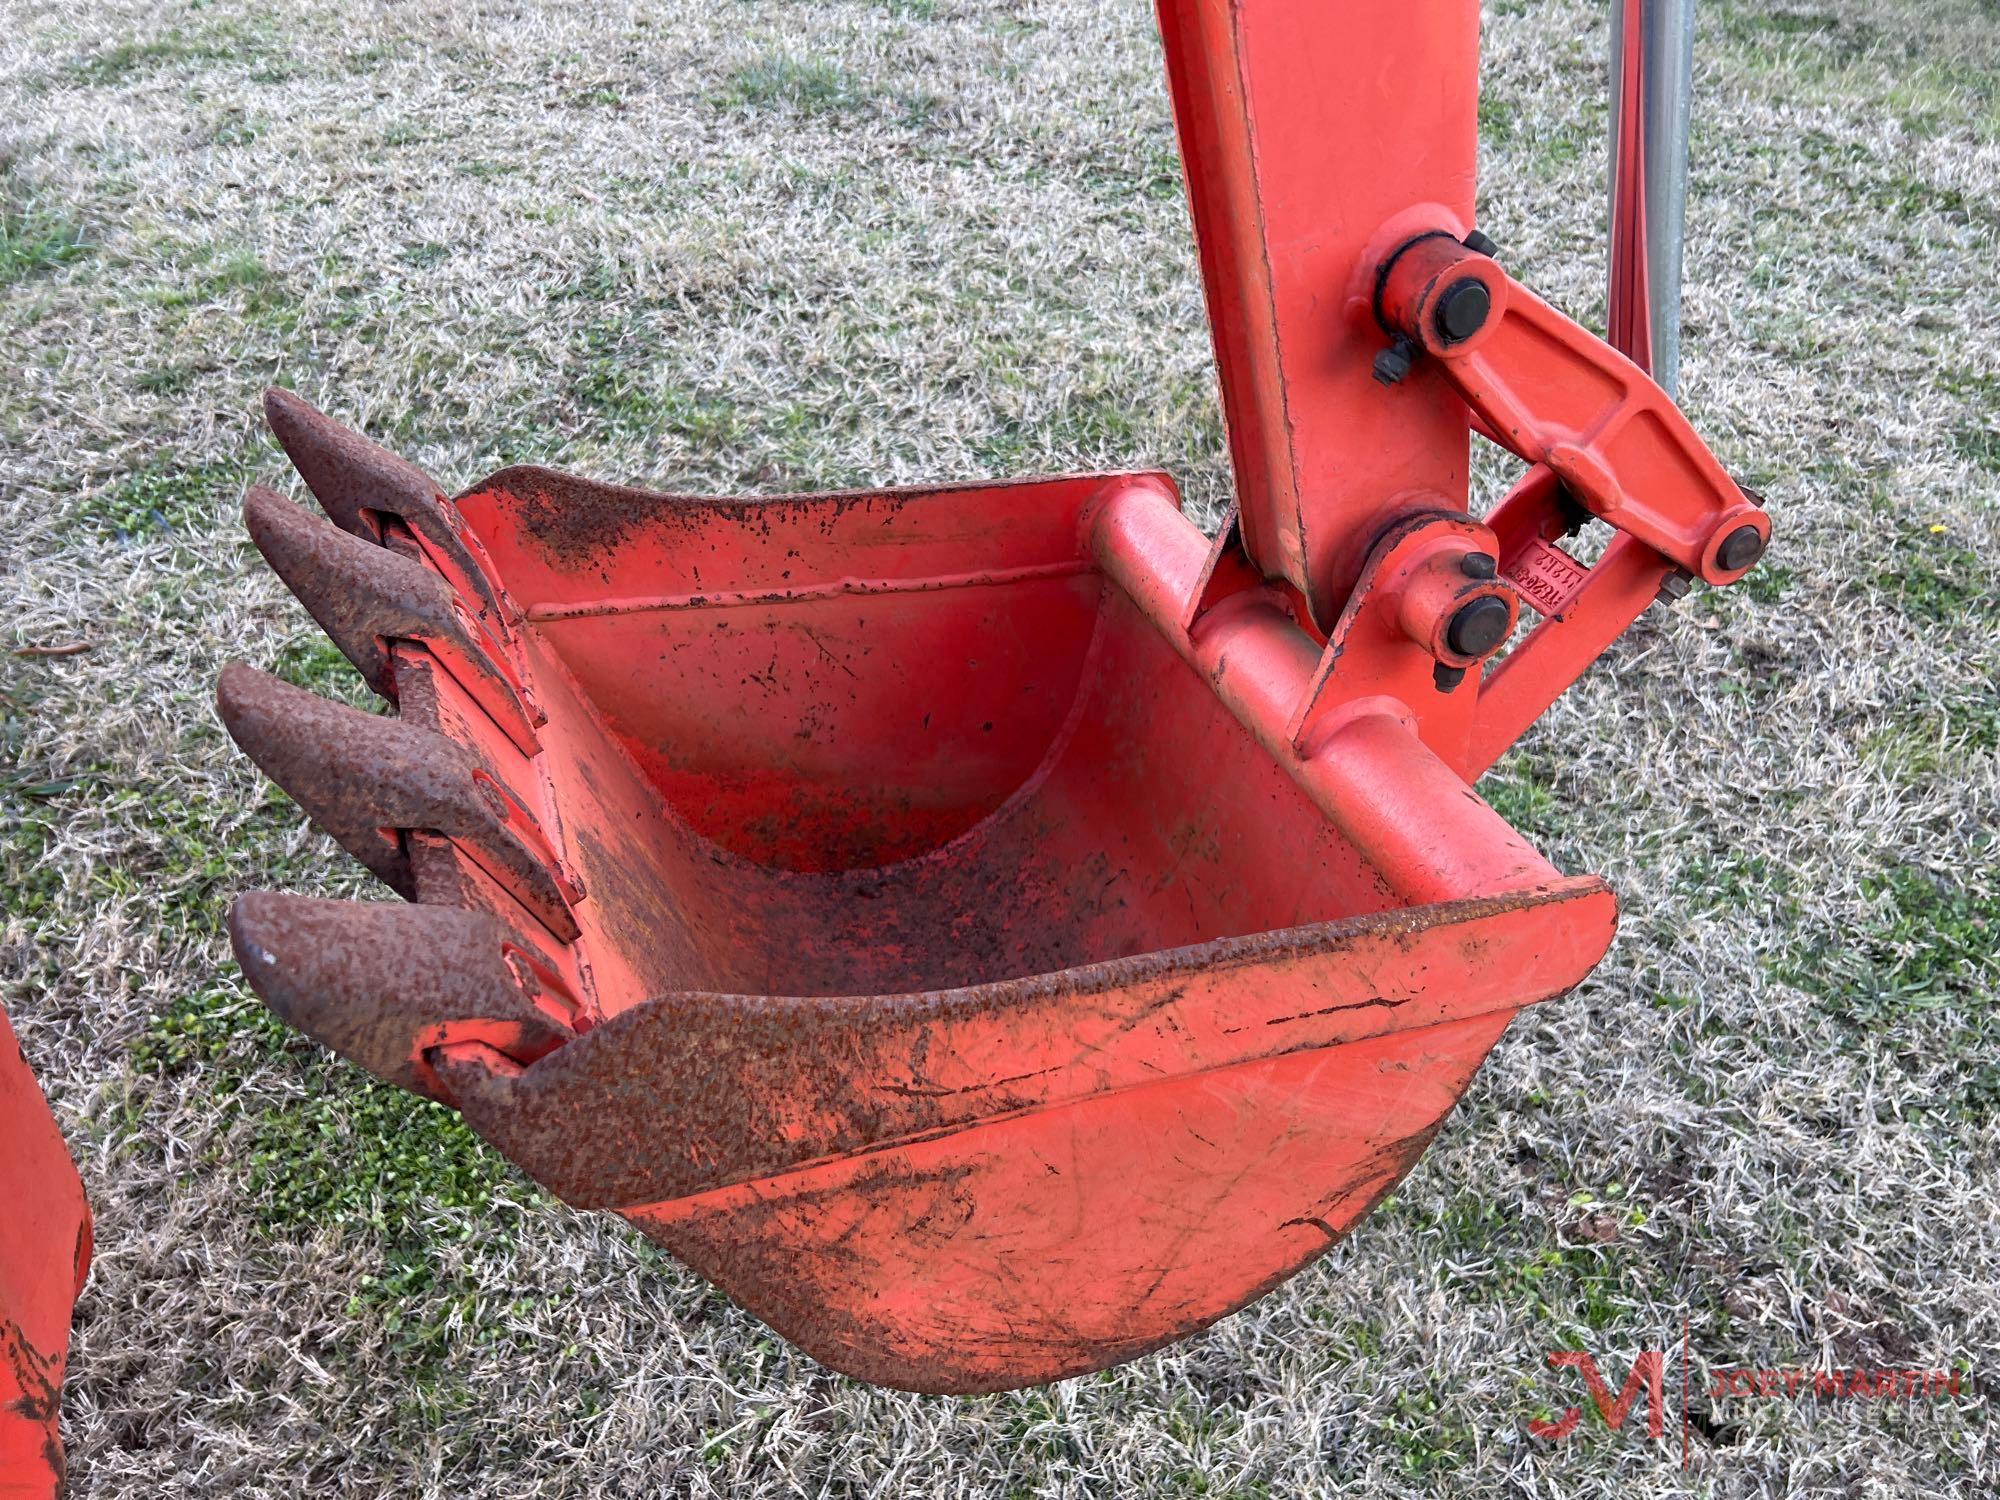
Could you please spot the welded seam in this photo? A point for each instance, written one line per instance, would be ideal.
(542, 614)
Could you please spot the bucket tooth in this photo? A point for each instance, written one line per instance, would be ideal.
(384, 984)
(367, 780)
(357, 481)
(365, 596)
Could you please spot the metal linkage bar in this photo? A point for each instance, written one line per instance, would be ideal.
(1314, 139)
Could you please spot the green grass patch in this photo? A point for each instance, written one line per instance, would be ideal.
(1523, 1266)
(167, 497)
(33, 798)
(405, 133)
(615, 384)
(1934, 580)
(182, 842)
(1760, 25)
(217, 1030)
(1101, 422)
(167, 380)
(1931, 938)
(423, 257)
(1767, 583)
(1731, 879)
(597, 282)
(225, 42)
(1975, 436)
(182, 869)
(368, 59)
(236, 278)
(1901, 197)
(166, 845)
(1555, 153)
(811, 86)
(1127, 179)
(310, 661)
(34, 888)
(30, 887)
(342, 1151)
(237, 129)
(123, 60)
(1978, 443)
(1550, 148)
(1930, 99)
(1499, 119)
(1934, 734)
(1521, 788)
(35, 240)
(326, 1146)
(481, 170)
(365, 1152)
(1427, 1435)
(1821, 53)
(1920, 977)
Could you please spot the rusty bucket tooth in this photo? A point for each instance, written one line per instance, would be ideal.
(355, 480)
(383, 984)
(366, 779)
(364, 597)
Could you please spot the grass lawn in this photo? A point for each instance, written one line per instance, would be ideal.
(793, 244)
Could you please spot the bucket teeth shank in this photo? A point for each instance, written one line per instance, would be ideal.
(366, 780)
(365, 596)
(384, 985)
(357, 481)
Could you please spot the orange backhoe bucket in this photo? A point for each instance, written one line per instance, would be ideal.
(994, 930)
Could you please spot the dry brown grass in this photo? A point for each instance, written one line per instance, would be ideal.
(768, 245)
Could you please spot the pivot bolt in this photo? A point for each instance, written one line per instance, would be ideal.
(1740, 548)
(1393, 363)
(1462, 308)
(1481, 243)
(1478, 627)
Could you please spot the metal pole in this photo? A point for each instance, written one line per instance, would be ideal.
(1651, 91)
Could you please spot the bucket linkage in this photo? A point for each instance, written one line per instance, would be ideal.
(993, 930)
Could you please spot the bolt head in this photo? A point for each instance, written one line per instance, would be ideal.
(1462, 308)
(1391, 365)
(1740, 548)
(1479, 626)
(1480, 243)
(1479, 565)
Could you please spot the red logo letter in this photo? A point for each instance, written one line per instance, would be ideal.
(1647, 1371)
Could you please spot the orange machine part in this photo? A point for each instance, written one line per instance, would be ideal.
(44, 1256)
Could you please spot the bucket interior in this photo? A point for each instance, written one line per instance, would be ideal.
(804, 758)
